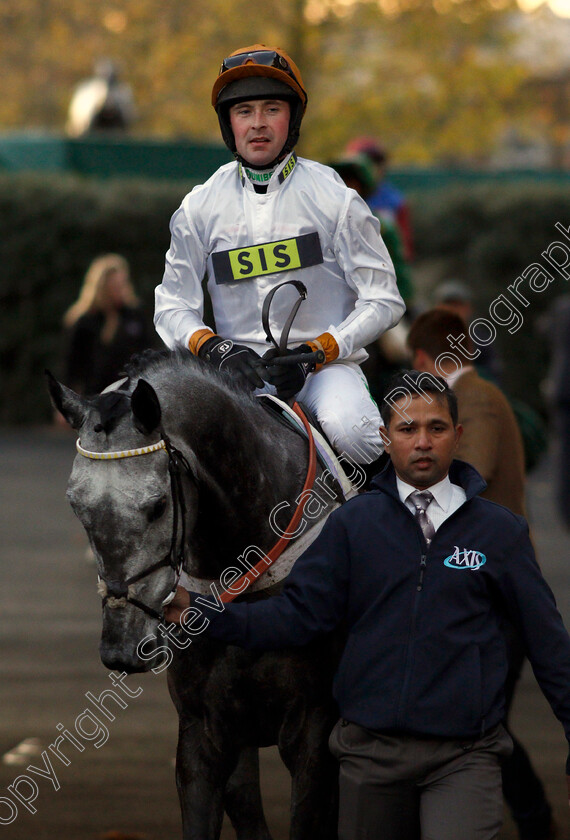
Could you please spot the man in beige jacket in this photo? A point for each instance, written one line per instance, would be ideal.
(440, 344)
(491, 441)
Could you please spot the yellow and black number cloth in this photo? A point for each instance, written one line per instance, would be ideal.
(251, 261)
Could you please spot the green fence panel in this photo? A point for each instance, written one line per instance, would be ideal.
(112, 157)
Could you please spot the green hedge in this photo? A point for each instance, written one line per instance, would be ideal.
(487, 236)
(50, 230)
(52, 227)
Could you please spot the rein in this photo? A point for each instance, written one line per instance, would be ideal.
(115, 592)
(255, 571)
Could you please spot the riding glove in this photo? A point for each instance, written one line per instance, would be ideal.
(288, 379)
(237, 359)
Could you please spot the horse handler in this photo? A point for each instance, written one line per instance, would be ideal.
(272, 217)
(421, 571)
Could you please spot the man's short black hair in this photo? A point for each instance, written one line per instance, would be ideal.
(416, 383)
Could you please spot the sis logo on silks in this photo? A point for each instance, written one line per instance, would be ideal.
(466, 559)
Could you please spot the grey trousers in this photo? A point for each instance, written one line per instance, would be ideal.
(400, 787)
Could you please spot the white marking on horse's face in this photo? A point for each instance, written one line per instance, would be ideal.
(126, 508)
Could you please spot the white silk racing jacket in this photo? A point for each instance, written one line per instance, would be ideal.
(308, 226)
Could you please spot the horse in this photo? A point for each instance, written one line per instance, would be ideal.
(177, 465)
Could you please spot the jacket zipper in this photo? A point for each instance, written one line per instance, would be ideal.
(411, 633)
(423, 564)
(419, 588)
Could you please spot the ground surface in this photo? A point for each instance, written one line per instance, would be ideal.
(50, 625)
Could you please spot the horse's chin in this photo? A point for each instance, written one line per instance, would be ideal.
(123, 661)
(129, 641)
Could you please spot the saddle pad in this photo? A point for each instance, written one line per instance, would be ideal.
(326, 453)
(277, 572)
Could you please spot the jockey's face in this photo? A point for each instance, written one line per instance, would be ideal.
(260, 128)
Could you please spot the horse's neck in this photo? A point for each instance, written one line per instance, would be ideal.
(248, 464)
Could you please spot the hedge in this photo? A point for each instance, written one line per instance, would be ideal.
(50, 230)
(488, 237)
(52, 227)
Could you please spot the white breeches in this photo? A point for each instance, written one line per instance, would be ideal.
(338, 395)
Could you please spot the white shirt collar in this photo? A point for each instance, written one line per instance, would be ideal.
(277, 176)
(453, 377)
(442, 492)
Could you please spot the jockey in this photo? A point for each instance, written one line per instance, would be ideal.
(271, 217)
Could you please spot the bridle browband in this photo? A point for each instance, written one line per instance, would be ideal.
(116, 592)
(121, 453)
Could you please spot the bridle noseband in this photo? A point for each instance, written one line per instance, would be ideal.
(116, 592)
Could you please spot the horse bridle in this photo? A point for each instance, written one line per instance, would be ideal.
(116, 592)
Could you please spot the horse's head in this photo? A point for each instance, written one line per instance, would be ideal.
(135, 506)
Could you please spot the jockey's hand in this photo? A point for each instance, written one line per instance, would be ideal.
(238, 359)
(288, 379)
(176, 607)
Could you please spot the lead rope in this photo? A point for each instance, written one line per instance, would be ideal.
(247, 579)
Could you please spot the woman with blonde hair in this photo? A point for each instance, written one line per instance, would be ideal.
(105, 325)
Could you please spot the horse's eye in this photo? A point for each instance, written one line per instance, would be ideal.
(157, 510)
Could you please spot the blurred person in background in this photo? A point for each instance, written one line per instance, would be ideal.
(386, 199)
(101, 103)
(455, 296)
(268, 218)
(492, 443)
(458, 297)
(357, 172)
(389, 352)
(104, 326)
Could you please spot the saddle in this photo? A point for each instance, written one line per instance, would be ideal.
(328, 459)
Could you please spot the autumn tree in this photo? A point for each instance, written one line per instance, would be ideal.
(433, 78)
(436, 81)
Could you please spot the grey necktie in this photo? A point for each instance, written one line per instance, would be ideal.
(421, 500)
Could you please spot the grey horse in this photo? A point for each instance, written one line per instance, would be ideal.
(203, 498)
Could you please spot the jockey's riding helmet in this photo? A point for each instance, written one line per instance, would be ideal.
(259, 72)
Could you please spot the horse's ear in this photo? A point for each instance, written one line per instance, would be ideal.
(145, 407)
(73, 407)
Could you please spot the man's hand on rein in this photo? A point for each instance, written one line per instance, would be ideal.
(176, 607)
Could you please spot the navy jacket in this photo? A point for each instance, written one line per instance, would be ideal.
(424, 652)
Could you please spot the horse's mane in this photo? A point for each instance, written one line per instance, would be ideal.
(169, 365)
